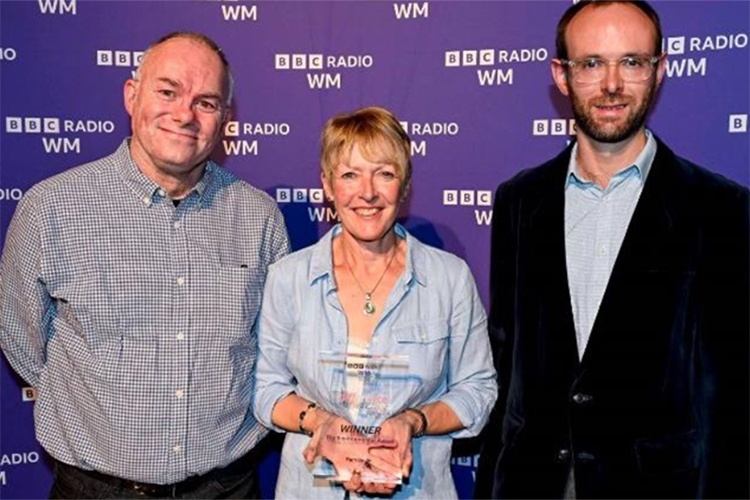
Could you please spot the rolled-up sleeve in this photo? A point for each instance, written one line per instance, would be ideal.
(273, 379)
(472, 381)
(25, 305)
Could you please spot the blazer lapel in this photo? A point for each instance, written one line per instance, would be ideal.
(547, 243)
(646, 248)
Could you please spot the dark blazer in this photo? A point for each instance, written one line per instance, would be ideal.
(658, 406)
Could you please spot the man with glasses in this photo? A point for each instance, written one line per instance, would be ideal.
(619, 295)
(129, 290)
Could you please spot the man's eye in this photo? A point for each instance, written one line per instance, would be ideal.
(591, 63)
(207, 105)
(632, 62)
(166, 93)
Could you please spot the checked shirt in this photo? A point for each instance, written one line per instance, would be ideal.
(135, 318)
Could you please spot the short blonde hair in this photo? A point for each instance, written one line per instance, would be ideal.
(380, 137)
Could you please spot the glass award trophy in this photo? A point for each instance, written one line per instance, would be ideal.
(364, 389)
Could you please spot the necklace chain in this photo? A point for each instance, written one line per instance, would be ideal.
(369, 308)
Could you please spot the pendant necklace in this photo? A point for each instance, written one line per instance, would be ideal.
(369, 308)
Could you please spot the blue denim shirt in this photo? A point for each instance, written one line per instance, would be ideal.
(433, 316)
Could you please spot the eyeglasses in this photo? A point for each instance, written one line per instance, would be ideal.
(633, 69)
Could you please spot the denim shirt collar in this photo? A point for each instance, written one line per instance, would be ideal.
(321, 263)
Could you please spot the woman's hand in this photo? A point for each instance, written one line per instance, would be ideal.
(338, 441)
(391, 450)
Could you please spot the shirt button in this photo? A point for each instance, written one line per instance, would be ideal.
(179, 393)
(177, 225)
(177, 449)
(603, 250)
(180, 280)
(563, 454)
(146, 200)
(180, 336)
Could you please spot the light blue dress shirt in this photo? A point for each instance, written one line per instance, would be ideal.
(433, 315)
(596, 221)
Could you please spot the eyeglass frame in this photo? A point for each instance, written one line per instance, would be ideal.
(652, 60)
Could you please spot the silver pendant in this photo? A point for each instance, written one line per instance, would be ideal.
(369, 306)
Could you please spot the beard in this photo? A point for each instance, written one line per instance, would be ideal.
(609, 132)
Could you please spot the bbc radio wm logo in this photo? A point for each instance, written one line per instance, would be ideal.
(8, 54)
(232, 10)
(10, 194)
(471, 198)
(15, 459)
(300, 195)
(411, 10)
(236, 129)
(45, 126)
(427, 129)
(555, 126)
(678, 45)
(119, 59)
(234, 146)
(312, 196)
(490, 57)
(58, 7)
(320, 62)
(737, 123)
(28, 394)
(471, 462)
(679, 67)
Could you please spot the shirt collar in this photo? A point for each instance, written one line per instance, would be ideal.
(321, 262)
(641, 165)
(147, 190)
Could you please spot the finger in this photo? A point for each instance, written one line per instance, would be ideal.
(385, 456)
(310, 451)
(408, 461)
(373, 488)
(387, 488)
(355, 483)
(382, 442)
(388, 471)
(382, 488)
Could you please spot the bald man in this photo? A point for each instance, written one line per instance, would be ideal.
(129, 290)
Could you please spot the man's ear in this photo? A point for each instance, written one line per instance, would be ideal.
(227, 116)
(560, 76)
(129, 93)
(661, 68)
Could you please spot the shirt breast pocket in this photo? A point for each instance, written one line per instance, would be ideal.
(232, 303)
(426, 345)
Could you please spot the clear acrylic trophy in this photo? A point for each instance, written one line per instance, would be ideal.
(364, 389)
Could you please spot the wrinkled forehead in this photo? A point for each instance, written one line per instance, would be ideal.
(186, 58)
